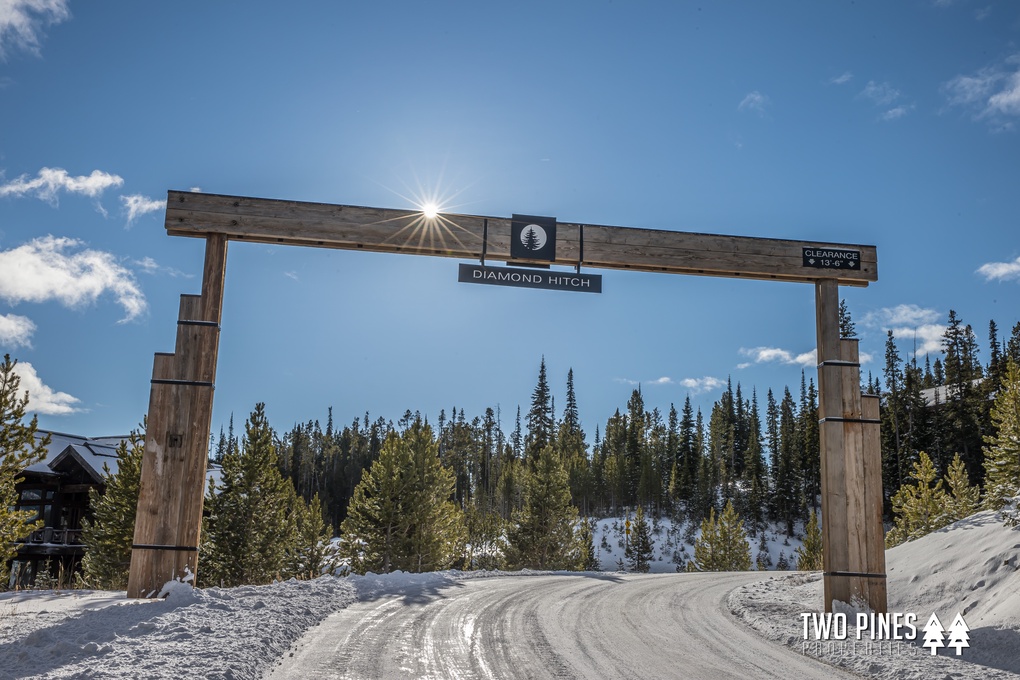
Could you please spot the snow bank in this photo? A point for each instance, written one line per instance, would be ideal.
(204, 633)
(969, 567)
(212, 633)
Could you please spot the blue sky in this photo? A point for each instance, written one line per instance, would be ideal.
(888, 124)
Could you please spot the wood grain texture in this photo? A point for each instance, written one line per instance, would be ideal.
(172, 488)
(348, 227)
(877, 587)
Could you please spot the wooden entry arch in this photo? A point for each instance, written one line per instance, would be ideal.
(168, 521)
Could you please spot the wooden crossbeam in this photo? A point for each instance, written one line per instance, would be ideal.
(385, 230)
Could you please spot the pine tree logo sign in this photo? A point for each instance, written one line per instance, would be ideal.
(533, 238)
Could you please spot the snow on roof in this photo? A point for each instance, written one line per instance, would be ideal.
(90, 453)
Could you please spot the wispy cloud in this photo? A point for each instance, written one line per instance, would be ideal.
(291, 275)
(900, 315)
(991, 94)
(754, 101)
(16, 331)
(897, 112)
(695, 385)
(882, 94)
(765, 355)
(137, 205)
(843, 79)
(43, 399)
(983, 13)
(1000, 271)
(149, 266)
(52, 181)
(22, 23)
(47, 268)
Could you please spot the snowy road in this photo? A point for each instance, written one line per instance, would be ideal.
(549, 626)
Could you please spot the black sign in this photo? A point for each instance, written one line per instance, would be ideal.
(832, 258)
(530, 278)
(533, 238)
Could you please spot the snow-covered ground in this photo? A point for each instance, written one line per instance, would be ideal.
(969, 567)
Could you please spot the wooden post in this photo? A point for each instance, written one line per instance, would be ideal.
(853, 547)
(172, 488)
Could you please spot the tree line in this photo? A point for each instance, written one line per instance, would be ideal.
(420, 495)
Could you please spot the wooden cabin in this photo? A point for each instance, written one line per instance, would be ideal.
(56, 490)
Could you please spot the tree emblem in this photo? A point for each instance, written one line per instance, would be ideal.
(958, 634)
(533, 237)
(933, 634)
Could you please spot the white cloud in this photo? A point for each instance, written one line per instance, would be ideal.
(992, 93)
(842, 79)
(51, 181)
(696, 385)
(291, 275)
(807, 359)
(700, 385)
(754, 101)
(743, 365)
(44, 269)
(882, 94)
(764, 355)
(1002, 271)
(16, 331)
(43, 399)
(897, 112)
(927, 338)
(137, 205)
(195, 190)
(900, 315)
(22, 21)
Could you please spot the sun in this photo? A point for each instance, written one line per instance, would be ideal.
(430, 210)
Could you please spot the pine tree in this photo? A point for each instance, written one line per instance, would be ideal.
(542, 534)
(1002, 451)
(722, 545)
(809, 555)
(965, 401)
(437, 525)
(639, 552)
(539, 420)
(374, 534)
(249, 527)
(401, 516)
(110, 531)
(310, 554)
(963, 498)
(918, 508)
(847, 329)
(763, 561)
(782, 563)
(586, 539)
(18, 450)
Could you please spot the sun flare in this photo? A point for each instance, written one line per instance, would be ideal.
(430, 210)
